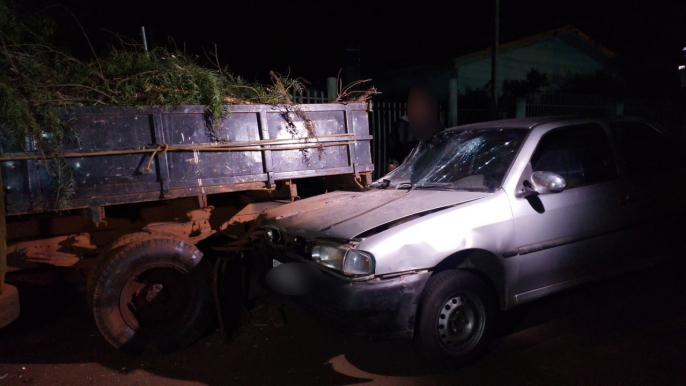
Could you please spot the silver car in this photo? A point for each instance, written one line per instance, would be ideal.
(478, 219)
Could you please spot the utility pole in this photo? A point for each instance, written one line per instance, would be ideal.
(682, 77)
(352, 63)
(145, 39)
(494, 61)
(3, 237)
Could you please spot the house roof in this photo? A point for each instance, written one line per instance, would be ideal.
(568, 34)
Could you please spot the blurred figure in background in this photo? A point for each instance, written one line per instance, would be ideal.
(418, 125)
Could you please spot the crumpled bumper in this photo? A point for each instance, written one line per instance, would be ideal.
(378, 308)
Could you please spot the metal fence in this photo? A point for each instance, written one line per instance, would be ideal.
(467, 116)
(310, 96)
(668, 114)
(382, 119)
(551, 103)
(385, 114)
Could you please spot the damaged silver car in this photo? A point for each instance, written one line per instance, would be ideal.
(478, 219)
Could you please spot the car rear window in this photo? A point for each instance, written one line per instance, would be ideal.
(644, 149)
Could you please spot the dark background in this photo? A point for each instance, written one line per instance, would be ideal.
(309, 40)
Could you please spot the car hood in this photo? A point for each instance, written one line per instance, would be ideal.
(345, 215)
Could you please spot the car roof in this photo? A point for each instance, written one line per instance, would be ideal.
(530, 123)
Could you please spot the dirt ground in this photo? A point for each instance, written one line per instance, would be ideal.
(627, 331)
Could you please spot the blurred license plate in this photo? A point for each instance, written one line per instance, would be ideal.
(275, 263)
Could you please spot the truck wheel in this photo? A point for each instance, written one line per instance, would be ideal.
(109, 252)
(154, 293)
(456, 318)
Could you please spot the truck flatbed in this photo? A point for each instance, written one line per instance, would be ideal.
(252, 148)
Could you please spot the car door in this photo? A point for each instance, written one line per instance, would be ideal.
(565, 238)
(656, 177)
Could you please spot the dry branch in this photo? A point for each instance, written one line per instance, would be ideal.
(280, 87)
(345, 94)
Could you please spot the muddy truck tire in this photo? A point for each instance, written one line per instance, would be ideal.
(110, 251)
(9, 304)
(154, 293)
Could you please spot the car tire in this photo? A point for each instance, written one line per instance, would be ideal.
(153, 293)
(456, 318)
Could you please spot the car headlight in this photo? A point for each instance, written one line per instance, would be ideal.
(358, 262)
(273, 235)
(345, 259)
(328, 256)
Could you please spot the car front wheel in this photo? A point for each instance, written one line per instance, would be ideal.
(456, 318)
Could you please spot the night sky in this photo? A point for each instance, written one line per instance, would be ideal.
(310, 40)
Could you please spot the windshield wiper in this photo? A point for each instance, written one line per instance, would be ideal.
(385, 183)
(404, 185)
(449, 186)
(435, 186)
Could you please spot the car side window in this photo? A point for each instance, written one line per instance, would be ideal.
(581, 154)
(645, 151)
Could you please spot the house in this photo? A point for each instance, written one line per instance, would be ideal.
(558, 53)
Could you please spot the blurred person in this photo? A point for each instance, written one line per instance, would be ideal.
(418, 125)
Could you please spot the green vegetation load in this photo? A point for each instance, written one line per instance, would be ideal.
(38, 79)
(40, 84)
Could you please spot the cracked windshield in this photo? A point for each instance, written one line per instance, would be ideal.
(475, 160)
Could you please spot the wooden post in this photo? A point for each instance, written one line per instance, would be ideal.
(331, 91)
(619, 108)
(9, 297)
(3, 236)
(452, 102)
(521, 108)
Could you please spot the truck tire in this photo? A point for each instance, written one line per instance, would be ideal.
(456, 318)
(110, 251)
(9, 304)
(153, 293)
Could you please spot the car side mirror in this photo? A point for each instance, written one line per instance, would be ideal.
(542, 183)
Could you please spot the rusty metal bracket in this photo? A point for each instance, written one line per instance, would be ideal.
(202, 201)
(357, 178)
(162, 158)
(292, 190)
(60, 251)
(165, 188)
(270, 180)
(356, 171)
(97, 215)
(367, 178)
(193, 231)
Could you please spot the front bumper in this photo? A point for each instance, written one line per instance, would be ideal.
(380, 308)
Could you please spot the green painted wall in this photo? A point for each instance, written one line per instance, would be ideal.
(553, 57)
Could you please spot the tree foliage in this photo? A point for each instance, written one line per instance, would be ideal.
(519, 88)
(603, 82)
(39, 84)
(37, 78)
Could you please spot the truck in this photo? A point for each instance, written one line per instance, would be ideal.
(153, 199)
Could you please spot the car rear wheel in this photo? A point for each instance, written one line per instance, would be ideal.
(154, 293)
(456, 318)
